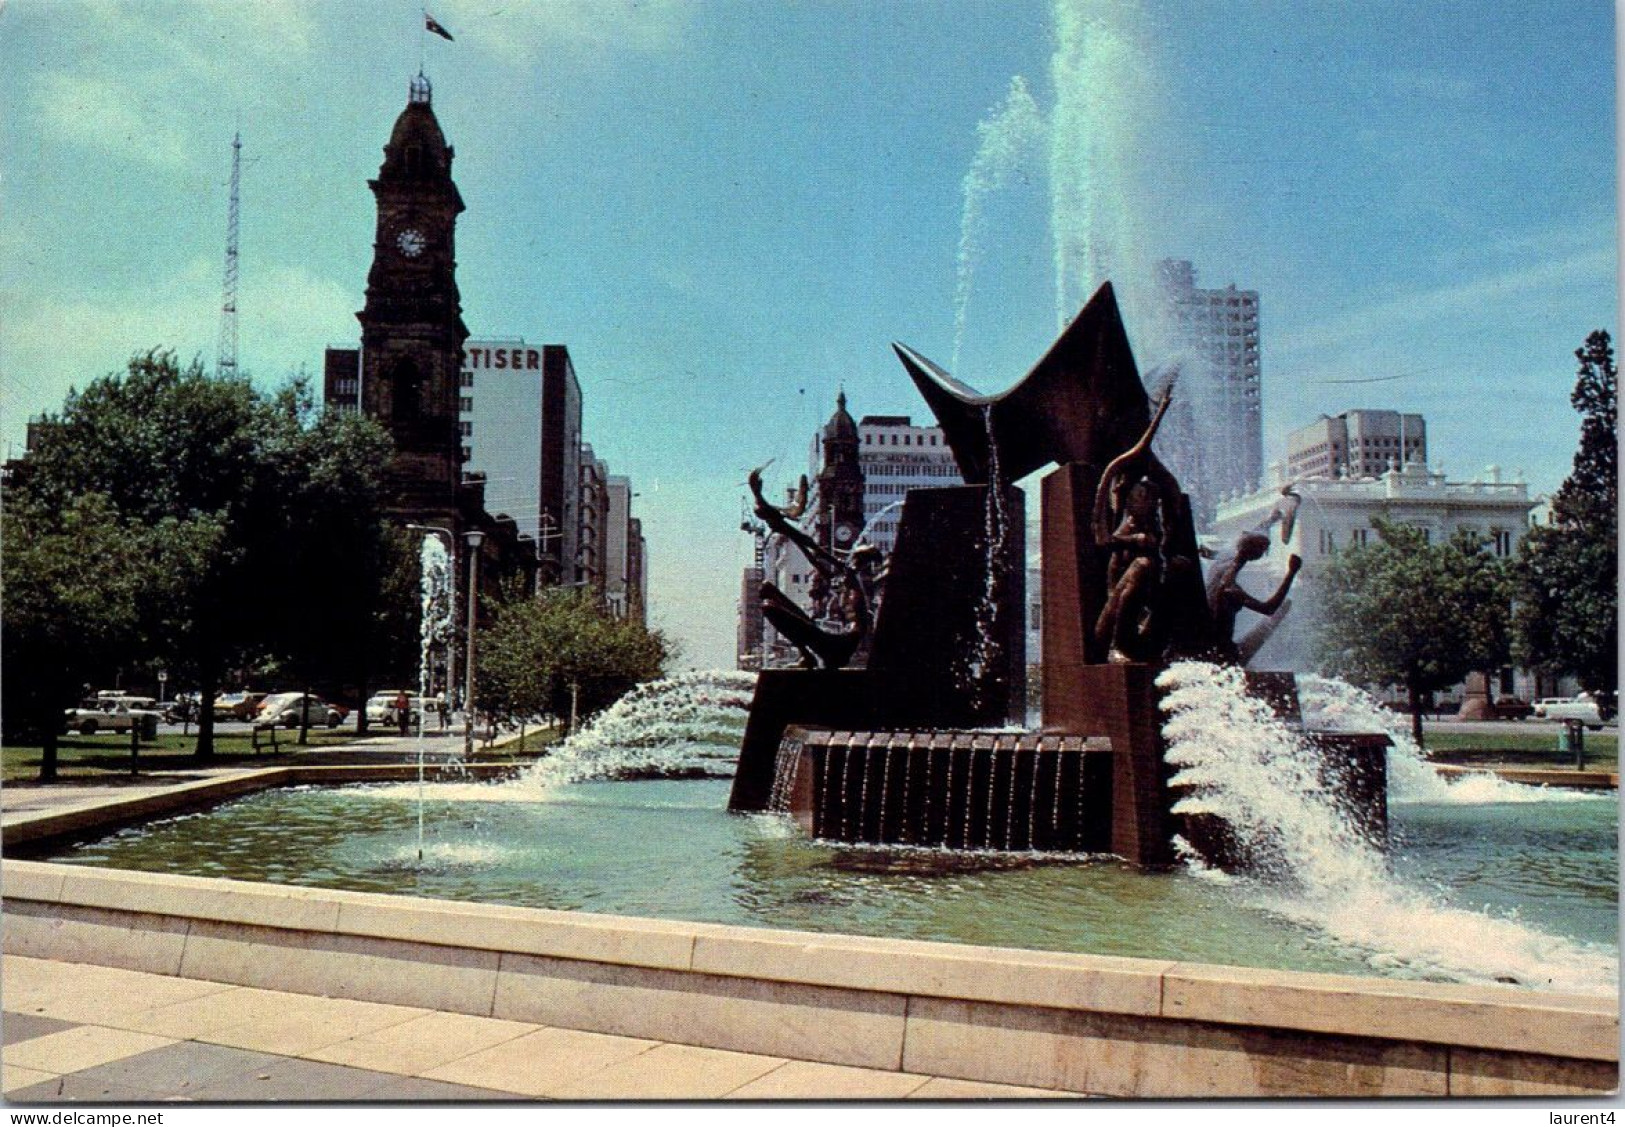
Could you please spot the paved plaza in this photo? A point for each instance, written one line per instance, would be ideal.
(89, 1034)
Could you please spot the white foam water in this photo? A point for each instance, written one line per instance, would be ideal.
(1315, 869)
(1338, 706)
(689, 723)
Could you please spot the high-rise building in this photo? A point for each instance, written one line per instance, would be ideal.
(1356, 444)
(591, 538)
(617, 543)
(637, 573)
(1213, 438)
(519, 415)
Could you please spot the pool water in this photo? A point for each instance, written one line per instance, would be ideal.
(1520, 892)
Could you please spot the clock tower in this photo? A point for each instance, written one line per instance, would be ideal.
(840, 482)
(412, 329)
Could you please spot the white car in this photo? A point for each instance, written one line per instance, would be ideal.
(1581, 708)
(381, 707)
(283, 710)
(110, 714)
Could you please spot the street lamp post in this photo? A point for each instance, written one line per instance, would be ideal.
(451, 639)
(474, 538)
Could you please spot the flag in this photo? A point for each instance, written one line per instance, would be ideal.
(431, 24)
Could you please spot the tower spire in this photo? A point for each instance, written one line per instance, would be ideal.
(226, 357)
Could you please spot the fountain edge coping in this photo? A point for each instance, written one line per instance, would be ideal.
(1484, 1017)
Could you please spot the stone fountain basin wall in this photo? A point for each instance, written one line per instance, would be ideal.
(1077, 1023)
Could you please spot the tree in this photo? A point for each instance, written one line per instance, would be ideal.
(259, 524)
(1404, 612)
(339, 556)
(541, 655)
(71, 606)
(1567, 618)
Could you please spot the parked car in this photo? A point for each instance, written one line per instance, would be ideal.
(381, 707)
(111, 714)
(287, 709)
(238, 706)
(1581, 708)
(1511, 708)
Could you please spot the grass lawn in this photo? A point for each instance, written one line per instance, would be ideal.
(105, 755)
(1522, 749)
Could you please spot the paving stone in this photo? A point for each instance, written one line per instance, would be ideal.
(80, 1089)
(417, 1090)
(301, 1081)
(196, 1017)
(671, 1072)
(414, 1047)
(542, 1062)
(810, 1080)
(947, 1088)
(15, 1027)
(307, 1024)
(81, 1047)
(181, 1069)
(12, 1077)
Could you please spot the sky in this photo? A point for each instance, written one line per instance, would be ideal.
(728, 209)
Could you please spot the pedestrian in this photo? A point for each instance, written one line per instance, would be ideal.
(403, 711)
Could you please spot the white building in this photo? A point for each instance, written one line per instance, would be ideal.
(1338, 513)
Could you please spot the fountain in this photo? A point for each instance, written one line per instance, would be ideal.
(899, 749)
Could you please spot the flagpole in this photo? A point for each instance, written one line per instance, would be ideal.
(423, 38)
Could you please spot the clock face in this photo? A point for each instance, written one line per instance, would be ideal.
(843, 533)
(411, 242)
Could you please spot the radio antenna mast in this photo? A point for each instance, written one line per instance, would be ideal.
(226, 359)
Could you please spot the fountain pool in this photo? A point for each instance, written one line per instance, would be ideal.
(1482, 883)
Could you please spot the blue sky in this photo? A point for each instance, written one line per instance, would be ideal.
(727, 210)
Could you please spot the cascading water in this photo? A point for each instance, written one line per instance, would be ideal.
(434, 630)
(1339, 706)
(687, 724)
(986, 649)
(1243, 765)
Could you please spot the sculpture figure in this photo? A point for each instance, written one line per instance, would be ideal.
(1226, 598)
(1132, 512)
(842, 591)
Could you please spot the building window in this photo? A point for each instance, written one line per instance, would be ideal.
(465, 403)
(1359, 536)
(1328, 542)
(1503, 541)
(468, 379)
(466, 429)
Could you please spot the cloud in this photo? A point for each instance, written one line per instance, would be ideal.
(1482, 294)
(88, 110)
(523, 33)
(49, 342)
(129, 78)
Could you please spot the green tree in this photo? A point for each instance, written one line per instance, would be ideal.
(1567, 617)
(71, 603)
(338, 554)
(260, 521)
(539, 653)
(1407, 613)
